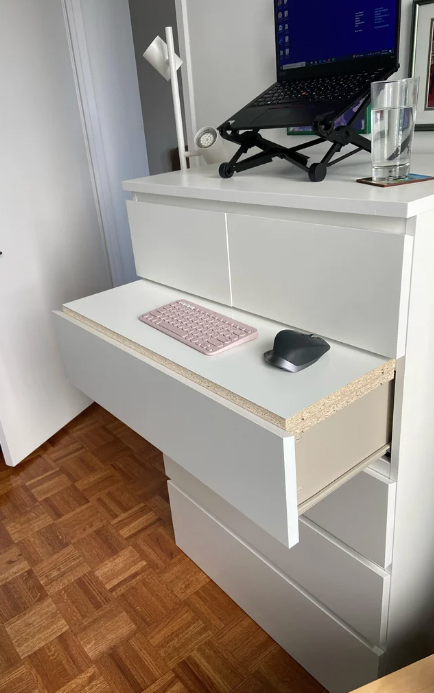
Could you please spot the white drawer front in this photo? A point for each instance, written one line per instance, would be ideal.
(361, 514)
(245, 460)
(340, 282)
(181, 247)
(354, 589)
(181, 420)
(323, 645)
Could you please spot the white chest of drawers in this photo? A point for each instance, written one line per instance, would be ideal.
(346, 587)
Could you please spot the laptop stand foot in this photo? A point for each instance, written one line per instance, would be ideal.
(317, 172)
(226, 170)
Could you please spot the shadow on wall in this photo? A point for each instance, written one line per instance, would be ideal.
(148, 20)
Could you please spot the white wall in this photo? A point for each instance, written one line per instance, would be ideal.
(103, 43)
(53, 249)
(229, 51)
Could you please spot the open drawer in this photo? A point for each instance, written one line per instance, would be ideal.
(270, 443)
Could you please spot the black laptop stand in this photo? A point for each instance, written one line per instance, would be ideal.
(340, 137)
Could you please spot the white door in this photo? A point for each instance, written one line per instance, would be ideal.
(50, 239)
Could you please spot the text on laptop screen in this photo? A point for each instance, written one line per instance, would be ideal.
(313, 32)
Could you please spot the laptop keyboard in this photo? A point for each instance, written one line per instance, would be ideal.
(332, 88)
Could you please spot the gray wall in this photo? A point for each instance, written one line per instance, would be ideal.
(149, 19)
(121, 154)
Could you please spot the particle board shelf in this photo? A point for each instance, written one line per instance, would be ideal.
(294, 402)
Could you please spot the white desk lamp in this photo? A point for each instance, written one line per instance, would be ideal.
(163, 58)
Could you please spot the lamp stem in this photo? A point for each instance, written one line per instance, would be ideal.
(176, 98)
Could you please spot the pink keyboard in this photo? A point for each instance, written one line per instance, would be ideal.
(199, 328)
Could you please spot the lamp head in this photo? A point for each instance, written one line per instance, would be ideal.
(158, 56)
(209, 143)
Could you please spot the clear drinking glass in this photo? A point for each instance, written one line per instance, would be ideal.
(394, 106)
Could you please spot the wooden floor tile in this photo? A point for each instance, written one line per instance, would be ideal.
(102, 415)
(18, 680)
(122, 571)
(82, 465)
(8, 482)
(183, 577)
(36, 627)
(19, 594)
(157, 461)
(20, 526)
(279, 673)
(214, 608)
(104, 630)
(94, 436)
(101, 545)
(12, 563)
(63, 447)
(90, 681)
(250, 685)
(49, 484)
(132, 666)
(58, 663)
(116, 502)
(160, 506)
(157, 548)
(129, 437)
(210, 668)
(61, 569)
(99, 482)
(6, 540)
(247, 641)
(65, 502)
(145, 478)
(43, 544)
(18, 500)
(141, 520)
(168, 684)
(88, 417)
(82, 521)
(148, 602)
(108, 453)
(81, 599)
(178, 635)
(37, 468)
(9, 657)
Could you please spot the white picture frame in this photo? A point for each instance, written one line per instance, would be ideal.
(422, 61)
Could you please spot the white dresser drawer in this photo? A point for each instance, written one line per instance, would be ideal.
(270, 475)
(361, 514)
(339, 282)
(356, 590)
(331, 651)
(181, 247)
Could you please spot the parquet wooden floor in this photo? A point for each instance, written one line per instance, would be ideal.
(94, 594)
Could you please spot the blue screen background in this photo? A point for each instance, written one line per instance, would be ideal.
(313, 31)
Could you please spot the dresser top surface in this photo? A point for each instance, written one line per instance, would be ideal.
(241, 370)
(283, 185)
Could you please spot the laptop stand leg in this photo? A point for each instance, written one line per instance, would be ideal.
(338, 137)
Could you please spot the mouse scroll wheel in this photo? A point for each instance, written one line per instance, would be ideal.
(314, 336)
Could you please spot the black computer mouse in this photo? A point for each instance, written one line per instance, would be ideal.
(294, 351)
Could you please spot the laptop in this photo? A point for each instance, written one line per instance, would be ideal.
(327, 56)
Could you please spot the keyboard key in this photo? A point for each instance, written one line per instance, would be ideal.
(172, 328)
(216, 342)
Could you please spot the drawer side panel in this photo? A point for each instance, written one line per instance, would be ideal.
(360, 514)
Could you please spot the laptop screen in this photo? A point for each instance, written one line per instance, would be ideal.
(313, 32)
